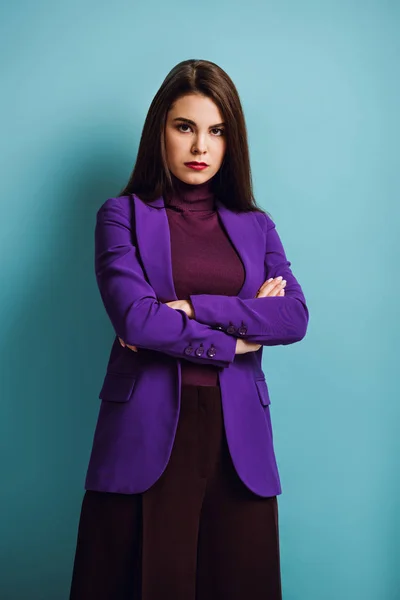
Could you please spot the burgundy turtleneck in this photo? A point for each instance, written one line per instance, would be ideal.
(204, 260)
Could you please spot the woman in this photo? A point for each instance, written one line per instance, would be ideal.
(182, 482)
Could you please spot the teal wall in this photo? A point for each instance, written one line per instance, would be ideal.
(319, 85)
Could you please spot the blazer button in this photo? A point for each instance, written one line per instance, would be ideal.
(220, 327)
(231, 329)
(242, 330)
(199, 351)
(211, 351)
(189, 350)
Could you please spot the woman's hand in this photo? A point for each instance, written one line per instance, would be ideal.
(121, 341)
(184, 305)
(244, 346)
(275, 286)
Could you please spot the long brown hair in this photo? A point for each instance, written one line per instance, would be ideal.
(151, 177)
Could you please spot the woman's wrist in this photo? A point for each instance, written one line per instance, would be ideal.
(189, 310)
(239, 346)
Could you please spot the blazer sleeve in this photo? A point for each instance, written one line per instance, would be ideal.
(268, 321)
(131, 303)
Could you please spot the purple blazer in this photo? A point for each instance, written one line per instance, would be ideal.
(140, 395)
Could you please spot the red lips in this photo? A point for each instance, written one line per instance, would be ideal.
(196, 166)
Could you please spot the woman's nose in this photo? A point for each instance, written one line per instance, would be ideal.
(200, 145)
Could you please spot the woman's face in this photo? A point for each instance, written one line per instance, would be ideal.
(194, 132)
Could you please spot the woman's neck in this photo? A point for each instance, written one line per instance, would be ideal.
(191, 197)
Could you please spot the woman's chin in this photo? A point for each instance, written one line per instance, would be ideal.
(192, 177)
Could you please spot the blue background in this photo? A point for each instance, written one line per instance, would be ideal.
(319, 86)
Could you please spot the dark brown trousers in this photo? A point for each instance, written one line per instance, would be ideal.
(197, 534)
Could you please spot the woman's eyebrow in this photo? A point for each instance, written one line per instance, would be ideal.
(190, 122)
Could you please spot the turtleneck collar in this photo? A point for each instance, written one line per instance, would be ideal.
(191, 197)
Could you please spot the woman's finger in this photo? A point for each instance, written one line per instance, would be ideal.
(271, 288)
(277, 288)
(271, 282)
(269, 285)
(121, 341)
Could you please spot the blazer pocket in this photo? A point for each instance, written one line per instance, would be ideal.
(263, 391)
(117, 387)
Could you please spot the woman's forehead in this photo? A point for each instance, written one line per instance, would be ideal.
(197, 108)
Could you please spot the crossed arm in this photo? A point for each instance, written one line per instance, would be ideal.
(136, 314)
(270, 320)
(140, 320)
(272, 287)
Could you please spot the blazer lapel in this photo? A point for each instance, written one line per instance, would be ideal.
(248, 243)
(154, 243)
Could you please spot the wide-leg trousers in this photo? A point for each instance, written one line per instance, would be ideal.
(197, 534)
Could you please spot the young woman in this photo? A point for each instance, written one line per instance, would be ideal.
(181, 488)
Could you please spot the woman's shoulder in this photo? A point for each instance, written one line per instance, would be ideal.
(263, 219)
(117, 203)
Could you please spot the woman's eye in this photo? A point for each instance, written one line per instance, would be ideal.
(183, 125)
(216, 131)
